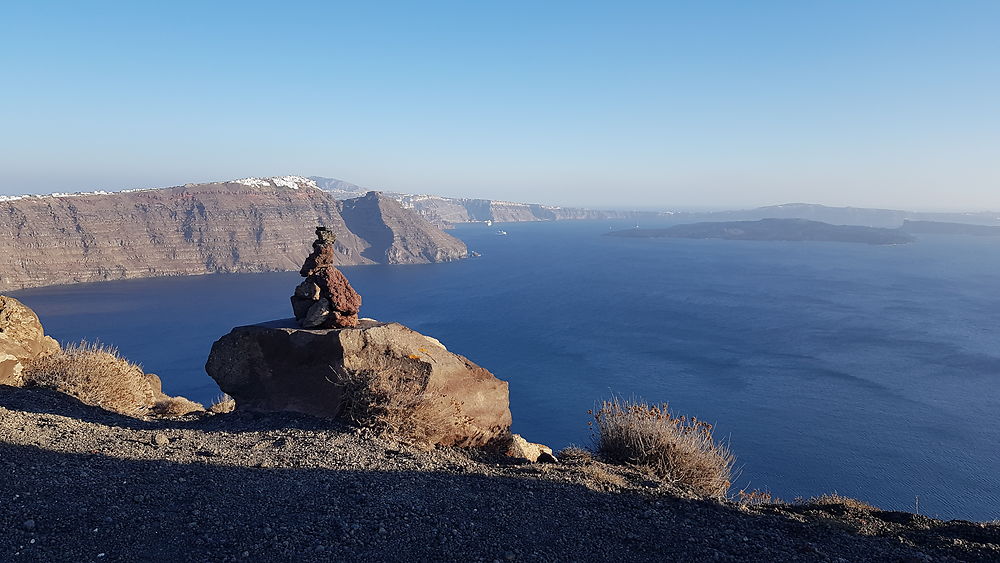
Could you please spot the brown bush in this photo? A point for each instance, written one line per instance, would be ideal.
(599, 478)
(757, 497)
(96, 375)
(395, 402)
(575, 454)
(680, 450)
(176, 406)
(224, 404)
(834, 498)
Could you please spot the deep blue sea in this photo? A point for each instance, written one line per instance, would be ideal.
(870, 371)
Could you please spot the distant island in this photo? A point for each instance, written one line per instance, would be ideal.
(942, 228)
(449, 211)
(775, 230)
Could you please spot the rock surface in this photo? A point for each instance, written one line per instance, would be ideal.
(22, 339)
(520, 448)
(280, 367)
(325, 299)
(248, 225)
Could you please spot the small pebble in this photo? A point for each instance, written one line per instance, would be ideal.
(28, 525)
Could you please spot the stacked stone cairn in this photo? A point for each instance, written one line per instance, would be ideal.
(325, 299)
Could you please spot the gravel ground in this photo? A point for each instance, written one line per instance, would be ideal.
(81, 484)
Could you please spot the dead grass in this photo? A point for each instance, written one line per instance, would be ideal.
(679, 449)
(597, 473)
(575, 454)
(96, 375)
(757, 497)
(222, 405)
(395, 402)
(836, 499)
(176, 406)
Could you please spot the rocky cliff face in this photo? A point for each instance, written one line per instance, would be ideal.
(447, 211)
(250, 225)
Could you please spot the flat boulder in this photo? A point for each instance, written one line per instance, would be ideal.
(22, 339)
(278, 366)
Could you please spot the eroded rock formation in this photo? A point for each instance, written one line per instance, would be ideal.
(22, 339)
(280, 367)
(325, 299)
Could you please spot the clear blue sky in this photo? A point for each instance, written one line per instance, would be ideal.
(698, 103)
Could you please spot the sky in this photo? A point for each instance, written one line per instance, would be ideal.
(697, 104)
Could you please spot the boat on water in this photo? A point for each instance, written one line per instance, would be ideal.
(501, 232)
(489, 223)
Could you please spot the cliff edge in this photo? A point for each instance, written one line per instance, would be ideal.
(250, 225)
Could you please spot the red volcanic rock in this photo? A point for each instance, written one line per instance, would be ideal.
(334, 285)
(325, 299)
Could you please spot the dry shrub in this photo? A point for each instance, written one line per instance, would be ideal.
(96, 375)
(757, 497)
(835, 499)
(598, 475)
(176, 406)
(394, 401)
(575, 454)
(680, 450)
(222, 405)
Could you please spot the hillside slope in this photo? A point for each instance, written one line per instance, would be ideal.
(82, 484)
(250, 225)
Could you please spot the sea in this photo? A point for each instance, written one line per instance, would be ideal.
(869, 371)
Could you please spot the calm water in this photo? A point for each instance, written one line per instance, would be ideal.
(870, 371)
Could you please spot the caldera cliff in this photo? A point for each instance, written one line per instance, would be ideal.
(252, 225)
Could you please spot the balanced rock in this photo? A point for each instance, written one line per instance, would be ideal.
(325, 372)
(325, 299)
(21, 339)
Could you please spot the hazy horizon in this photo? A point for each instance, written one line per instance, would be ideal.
(692, 208)
(717, 104)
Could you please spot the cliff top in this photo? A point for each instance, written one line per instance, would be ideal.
(84, 484)
(289, 182)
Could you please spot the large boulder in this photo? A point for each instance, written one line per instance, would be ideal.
(22, 339)
(324, 372)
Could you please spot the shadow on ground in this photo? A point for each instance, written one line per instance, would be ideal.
(77, 507)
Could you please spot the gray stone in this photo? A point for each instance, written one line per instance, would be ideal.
(308, 290)
(317, 313)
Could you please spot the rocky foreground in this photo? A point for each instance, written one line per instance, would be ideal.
(81, 484)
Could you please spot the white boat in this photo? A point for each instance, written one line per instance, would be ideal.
(501, 233)
(489, 223)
